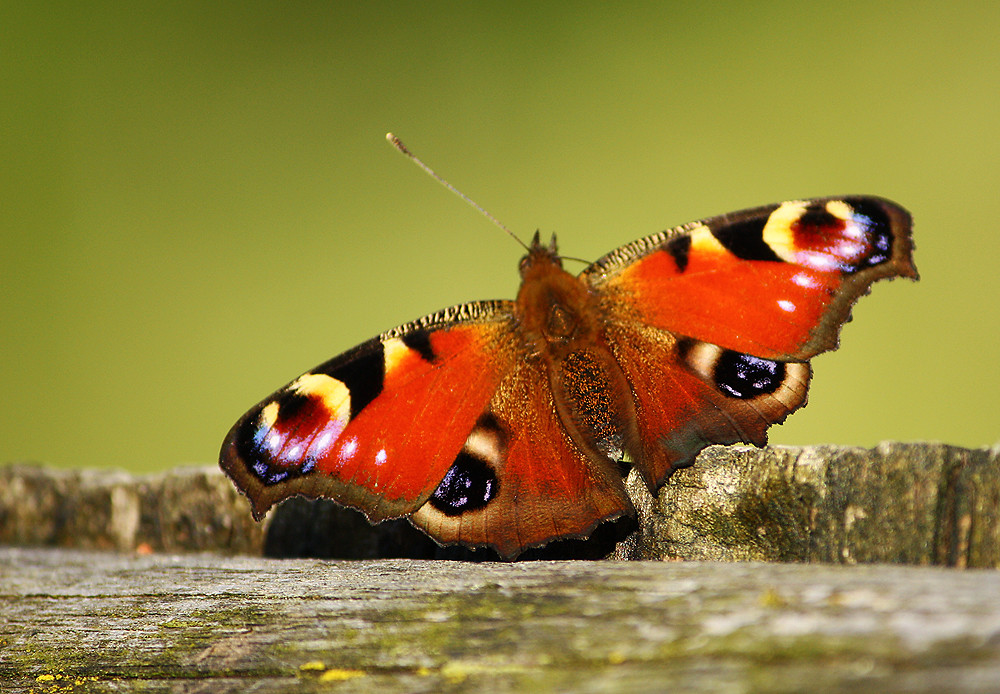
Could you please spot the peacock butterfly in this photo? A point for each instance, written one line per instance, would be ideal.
(513, 423)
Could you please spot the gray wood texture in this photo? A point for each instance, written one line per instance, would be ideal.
(898, 503)
(73, 621)
(902, 503)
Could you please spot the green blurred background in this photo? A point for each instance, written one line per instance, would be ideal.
(198, 203)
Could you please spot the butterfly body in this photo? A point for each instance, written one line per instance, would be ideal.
(512, 423)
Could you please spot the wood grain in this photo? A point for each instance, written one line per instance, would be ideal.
(73, 621)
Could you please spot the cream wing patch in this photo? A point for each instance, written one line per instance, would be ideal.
(778, 233)
(703, 241)
(335, 396)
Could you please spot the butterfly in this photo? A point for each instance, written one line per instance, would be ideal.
(510, 424)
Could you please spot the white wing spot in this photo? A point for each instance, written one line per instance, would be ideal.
(348, 450)
(273, 442)
(322, 443)
(805, 280)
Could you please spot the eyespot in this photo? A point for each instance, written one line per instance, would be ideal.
(468, 485)
(743, 376)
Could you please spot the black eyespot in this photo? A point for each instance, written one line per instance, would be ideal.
(251, 435)
(878, 229)
(247, 441)
(816, 218)
(290, 403)
(469, 484)
(269, 474)
(743, 376)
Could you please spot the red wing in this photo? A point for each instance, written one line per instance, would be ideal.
(378, 427)
(776, 282)
(519, 481)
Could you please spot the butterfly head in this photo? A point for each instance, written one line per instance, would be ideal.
(540, 256)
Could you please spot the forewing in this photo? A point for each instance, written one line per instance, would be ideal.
(776, 282)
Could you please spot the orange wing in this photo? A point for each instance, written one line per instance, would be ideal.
(776, 282)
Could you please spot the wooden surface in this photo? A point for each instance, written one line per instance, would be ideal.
(73, 621)
(908, 503)
(183, 510)
(896, 503)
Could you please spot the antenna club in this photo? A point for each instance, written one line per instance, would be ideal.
(397, 143)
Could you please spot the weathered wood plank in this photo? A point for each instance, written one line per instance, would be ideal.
(184, 509)
(899, 503)
(903, 503)
(102, 622)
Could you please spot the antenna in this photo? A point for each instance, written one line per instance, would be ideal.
(398, 144)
